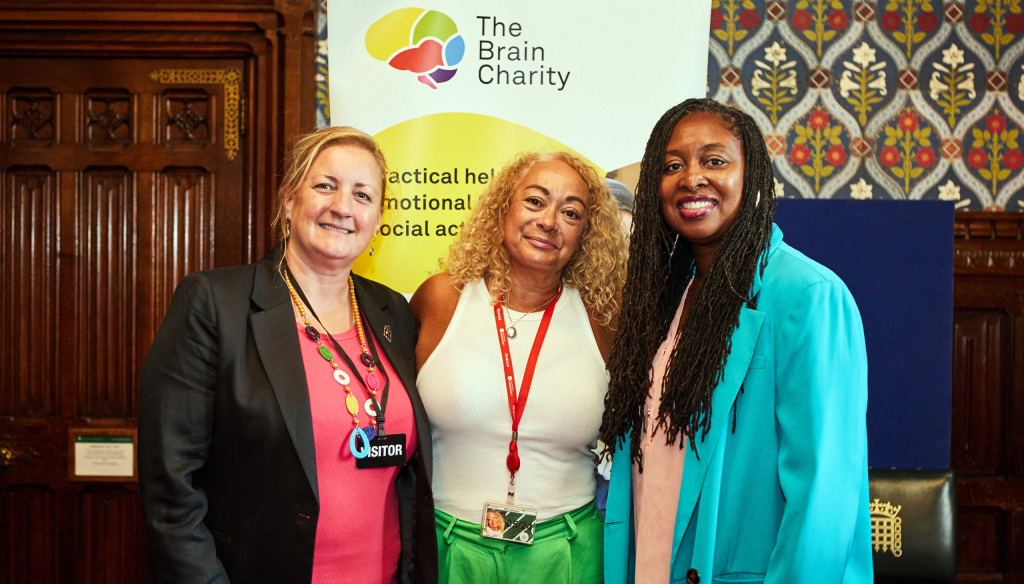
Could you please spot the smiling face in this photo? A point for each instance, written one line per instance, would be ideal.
(495, 521)
(546, 217)
(702, 180)
(336, 209)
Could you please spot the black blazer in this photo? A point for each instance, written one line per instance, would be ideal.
(227, 469)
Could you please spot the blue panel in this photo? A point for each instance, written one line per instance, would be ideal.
(897, 259)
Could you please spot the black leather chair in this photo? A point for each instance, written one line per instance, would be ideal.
(913, 525)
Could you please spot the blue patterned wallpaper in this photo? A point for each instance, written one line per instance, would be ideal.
(323, 102)
(899, 99)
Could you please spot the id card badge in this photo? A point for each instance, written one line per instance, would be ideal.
(508, 522)
(384, 451)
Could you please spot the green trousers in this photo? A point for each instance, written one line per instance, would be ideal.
(568, 549)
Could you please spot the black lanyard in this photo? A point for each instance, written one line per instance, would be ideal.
(366, 359)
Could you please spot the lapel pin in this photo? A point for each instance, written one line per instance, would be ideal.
(387, 332)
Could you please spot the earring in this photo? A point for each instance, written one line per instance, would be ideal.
(672, 252)
(371, 248)
(287, 227)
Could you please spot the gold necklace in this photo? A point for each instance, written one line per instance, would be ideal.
(510, 330)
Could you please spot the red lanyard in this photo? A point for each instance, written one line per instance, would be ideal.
(517, 405)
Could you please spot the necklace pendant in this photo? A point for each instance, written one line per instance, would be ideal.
(358, 443)
(326, 353)
(372, 381)
(370, 432)
(313, 333)
(341, 377)
(369, 409)
(510, 332)
(352, 404)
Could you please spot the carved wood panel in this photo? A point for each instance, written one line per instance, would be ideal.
(116, 181)
(987, 445)
(980, 343)
(186, 118)
(177, 248)
(104, 278)
(114, 186)
(982, 544)
(110, 118)
(28, 210)
(111, 539)
(32, 116)
(29, 534)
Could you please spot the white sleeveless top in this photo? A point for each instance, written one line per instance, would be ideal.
(462, 387)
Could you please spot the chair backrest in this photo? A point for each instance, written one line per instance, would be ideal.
(913, 525)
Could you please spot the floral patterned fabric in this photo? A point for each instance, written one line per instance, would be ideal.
(323, 102)
(897, 99)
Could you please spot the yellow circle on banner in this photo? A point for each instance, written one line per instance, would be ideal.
(439, 166)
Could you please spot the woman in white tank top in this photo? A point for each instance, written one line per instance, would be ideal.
(511, 356)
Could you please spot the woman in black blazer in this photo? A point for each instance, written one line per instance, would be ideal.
(281, 438)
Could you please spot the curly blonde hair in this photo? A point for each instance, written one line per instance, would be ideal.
(597, 269)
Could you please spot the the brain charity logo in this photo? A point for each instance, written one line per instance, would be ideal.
(425, 42)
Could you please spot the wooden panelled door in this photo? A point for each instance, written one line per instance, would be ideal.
(987, 449)
(117, 177)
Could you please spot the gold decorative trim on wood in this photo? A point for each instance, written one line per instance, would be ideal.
(231, 79)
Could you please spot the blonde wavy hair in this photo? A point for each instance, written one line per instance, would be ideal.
(597, 269)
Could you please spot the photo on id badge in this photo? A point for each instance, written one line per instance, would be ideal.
(514, 523)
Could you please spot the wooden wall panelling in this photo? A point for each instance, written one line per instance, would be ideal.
(29, 532)
(110, 531)
(105, 217)
(980, 355)
(987, 445)
(28, 212)
(115, 181)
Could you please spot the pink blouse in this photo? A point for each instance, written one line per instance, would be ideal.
(656, 490)
(357, 535)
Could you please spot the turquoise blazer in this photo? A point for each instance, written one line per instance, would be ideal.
(779, 498)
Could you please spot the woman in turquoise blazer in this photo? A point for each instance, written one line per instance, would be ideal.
(765, 382)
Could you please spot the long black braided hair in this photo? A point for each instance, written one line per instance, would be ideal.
(661, 265)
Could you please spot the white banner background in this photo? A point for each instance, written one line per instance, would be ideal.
(609, 69)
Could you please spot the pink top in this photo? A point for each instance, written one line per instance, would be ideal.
(357, 534)
(656, 490)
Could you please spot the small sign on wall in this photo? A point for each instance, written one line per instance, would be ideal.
(102, 454)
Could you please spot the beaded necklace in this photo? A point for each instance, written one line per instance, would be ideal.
(372, 383)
